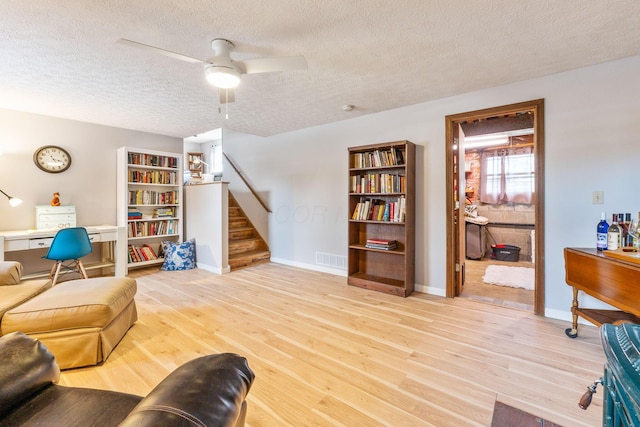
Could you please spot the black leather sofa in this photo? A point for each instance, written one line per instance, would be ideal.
(207, 391)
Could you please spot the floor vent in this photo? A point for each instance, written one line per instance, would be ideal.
(330, 260)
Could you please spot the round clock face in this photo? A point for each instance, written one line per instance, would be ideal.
(51, 158)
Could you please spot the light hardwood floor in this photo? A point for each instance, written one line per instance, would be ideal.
(475, 288)
(328, 354)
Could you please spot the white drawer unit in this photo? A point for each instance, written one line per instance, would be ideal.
(40, 243)
(48, 217)
(104, 237)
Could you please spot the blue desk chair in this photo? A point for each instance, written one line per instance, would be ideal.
(69, 245)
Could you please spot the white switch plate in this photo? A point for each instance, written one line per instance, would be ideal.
(597, 197)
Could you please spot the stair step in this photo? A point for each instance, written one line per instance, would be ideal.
(235, 212)
(241, 233)
(246, 245)
(239, 222)
(248, 258)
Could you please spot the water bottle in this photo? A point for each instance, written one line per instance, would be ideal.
(603, 228)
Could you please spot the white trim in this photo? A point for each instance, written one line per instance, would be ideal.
(440, 292)
(212, 269)
(334, 271)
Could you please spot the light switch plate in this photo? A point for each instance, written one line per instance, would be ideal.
(597, 197)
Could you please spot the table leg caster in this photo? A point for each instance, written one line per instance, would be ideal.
(571, 332)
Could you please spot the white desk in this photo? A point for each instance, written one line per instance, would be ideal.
(25, 240)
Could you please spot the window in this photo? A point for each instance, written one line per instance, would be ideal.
(216, 156)
(507, 176)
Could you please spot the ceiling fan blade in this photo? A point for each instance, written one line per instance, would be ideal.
(268, 65)
(158, 50)
(227, 96)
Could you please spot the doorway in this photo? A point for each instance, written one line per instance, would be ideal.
(492, 121)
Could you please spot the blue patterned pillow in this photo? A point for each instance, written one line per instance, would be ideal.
(179, 256)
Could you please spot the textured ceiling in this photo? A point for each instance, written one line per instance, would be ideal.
(59, 57)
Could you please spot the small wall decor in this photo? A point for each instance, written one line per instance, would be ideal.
(52, 159)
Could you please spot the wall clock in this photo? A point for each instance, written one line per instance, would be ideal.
(52, 159)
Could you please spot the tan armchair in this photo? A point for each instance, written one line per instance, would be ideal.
(14, 290)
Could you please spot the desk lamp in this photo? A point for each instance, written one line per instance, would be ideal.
(198, 161)
(13, 201)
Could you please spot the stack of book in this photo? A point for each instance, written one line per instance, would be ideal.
(163, 213)
(134, 214)
(383, 244)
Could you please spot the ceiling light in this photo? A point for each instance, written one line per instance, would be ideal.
(480, 141)
(222, 77)
(493, 139)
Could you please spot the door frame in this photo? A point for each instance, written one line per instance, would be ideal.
(455, 228)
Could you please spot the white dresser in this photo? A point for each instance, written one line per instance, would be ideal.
(54, 217)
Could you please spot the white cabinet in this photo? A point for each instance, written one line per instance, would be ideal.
(48, 217)
(149, 205)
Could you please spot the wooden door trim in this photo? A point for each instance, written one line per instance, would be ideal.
(537, 107)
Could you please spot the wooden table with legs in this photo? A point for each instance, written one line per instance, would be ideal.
(611, 277)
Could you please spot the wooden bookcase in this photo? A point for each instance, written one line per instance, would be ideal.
(195, 164)
(383, 175)
(149, 204)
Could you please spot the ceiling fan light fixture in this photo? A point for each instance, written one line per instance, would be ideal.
(222, 77)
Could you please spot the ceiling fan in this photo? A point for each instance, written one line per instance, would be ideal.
(222, 71)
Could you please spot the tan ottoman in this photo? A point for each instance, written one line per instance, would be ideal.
(79, 321)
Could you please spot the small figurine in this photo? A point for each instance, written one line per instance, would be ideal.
(55, 201)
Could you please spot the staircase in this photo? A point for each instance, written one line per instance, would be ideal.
(246, 247)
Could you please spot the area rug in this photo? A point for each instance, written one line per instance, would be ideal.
(508, 416)
(515, 277)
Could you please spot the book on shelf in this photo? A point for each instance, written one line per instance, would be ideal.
(141, 253)
(148, 252)
(147, 197)
(379, 158)
(379, 210)
(133, 255)
(163, 212)
(152, 177)
(382, 244)
(378, 183)
(134, 214)
(151, 228)
(398, 156)
(152, 160)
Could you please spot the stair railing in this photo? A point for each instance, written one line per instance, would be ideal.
(246, 182)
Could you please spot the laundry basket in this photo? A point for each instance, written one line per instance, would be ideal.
(505, 252)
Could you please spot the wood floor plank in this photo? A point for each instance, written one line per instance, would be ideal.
(328, 354)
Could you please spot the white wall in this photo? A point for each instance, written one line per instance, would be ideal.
(592, 118)
(207, 222)
(592, 122)
(90, 182)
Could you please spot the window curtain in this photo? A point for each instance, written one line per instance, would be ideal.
(507, 176)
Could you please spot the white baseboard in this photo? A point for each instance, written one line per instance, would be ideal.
(321, 269)
(212, 269)
(564, 315)
(440, 292)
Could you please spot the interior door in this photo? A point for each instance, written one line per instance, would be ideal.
(455, 212)
(458, 153)
(456, 197)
